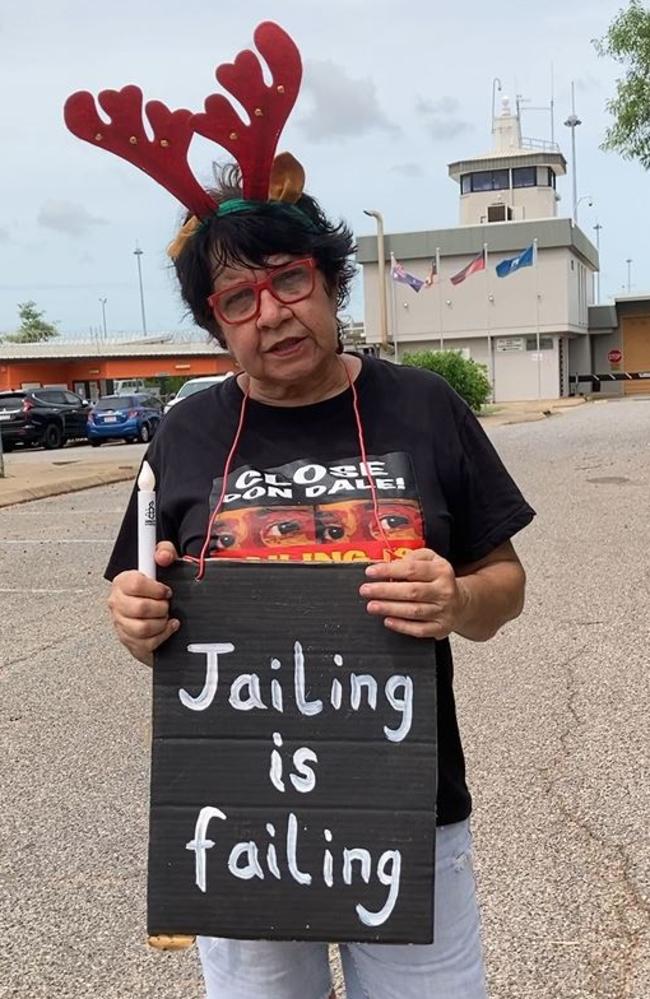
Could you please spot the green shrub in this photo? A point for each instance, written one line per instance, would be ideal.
(468, 378)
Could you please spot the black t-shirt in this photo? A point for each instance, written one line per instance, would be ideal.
(298, 488)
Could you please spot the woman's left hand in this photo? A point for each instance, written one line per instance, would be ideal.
(418, 595)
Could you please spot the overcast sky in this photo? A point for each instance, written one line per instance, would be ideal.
(391, 94)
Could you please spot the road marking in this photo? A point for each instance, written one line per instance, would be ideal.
(11, 590)
(59, 541)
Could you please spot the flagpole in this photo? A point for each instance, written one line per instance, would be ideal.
(537, 341)
(442, 335)
(393, 307)
(488, 327)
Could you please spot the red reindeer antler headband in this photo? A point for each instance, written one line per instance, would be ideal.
(252, 144)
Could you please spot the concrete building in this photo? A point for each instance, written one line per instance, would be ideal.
(531, 329)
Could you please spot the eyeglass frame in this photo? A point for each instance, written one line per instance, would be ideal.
(258, 287)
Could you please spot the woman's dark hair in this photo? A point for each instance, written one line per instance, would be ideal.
(250, 237)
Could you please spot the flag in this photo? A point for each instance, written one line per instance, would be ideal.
(525, 259)
(433, 274)
(398, 273)
(477, 264)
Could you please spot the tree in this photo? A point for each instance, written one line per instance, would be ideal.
(465, 376)
(33, 327)
(628, 42)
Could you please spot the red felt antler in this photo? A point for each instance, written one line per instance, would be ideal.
(164, 157)
(253, 145)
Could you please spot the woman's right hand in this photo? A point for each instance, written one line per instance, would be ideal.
(139, 608)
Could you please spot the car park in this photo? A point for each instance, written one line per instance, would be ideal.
(195, 385)
(124, 417)
(47, 416)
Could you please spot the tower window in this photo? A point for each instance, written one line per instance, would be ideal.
(524, 177)
(490, 180)
(466, 183)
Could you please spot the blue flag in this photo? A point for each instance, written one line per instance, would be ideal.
(525, 259)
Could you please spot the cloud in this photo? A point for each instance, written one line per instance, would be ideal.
(342, 106)
(408, 169)
(441, 118)
(4, 235)
(65, 216)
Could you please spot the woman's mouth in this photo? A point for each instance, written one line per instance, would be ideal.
(290, 345)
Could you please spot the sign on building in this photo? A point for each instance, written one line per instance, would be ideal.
(294, 763)
(510, 343)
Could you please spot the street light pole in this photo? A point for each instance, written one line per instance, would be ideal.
(381, 275)
(572, 122)
(103, 302)
(629, 275)
(597, 229)
(496, 83)
(138, 253)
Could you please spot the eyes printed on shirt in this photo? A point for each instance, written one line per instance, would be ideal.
(263, 527)
(348, 522)
(354, 521)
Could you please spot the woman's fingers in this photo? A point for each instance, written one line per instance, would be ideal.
(165, 553)
(139, 607)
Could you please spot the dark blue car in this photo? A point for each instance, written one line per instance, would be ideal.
(124, 417)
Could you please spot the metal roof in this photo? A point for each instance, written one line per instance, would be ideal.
(60, 349)
(503, 160)
(624, 299)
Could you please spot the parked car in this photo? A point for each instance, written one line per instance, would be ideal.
(195, 385)
(134, 386)
(46, 416)
(124, 417)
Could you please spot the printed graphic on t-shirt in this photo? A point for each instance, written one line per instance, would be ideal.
(345, 511)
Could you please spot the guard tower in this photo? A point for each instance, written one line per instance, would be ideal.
(514, 182)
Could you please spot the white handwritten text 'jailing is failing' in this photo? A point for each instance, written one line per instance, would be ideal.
(251, 691)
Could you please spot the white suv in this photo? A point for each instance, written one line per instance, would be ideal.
(195, 385)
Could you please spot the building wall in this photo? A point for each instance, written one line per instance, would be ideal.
(484, 302)
(526, 203)
(636, 351)
(521, 373)
(511, 368)
(15, 375)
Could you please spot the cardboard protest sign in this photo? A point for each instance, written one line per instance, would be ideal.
(294, 764)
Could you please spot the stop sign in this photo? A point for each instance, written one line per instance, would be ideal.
(615, 356)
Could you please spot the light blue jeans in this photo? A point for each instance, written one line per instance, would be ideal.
(449, 968)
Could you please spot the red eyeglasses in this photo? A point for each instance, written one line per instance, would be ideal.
(288, 283)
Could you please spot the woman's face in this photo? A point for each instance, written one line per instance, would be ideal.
(283, 344)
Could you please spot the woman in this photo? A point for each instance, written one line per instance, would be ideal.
(246, 280)
(392, 467)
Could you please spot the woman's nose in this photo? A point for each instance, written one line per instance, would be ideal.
(271, 312)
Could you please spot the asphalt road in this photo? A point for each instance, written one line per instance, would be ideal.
(554, 713)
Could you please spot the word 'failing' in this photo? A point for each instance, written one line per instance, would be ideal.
(245, 862)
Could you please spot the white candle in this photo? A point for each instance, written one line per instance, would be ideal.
(146, 520)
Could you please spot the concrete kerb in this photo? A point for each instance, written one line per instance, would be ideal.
(508, 413)
(32, 482)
